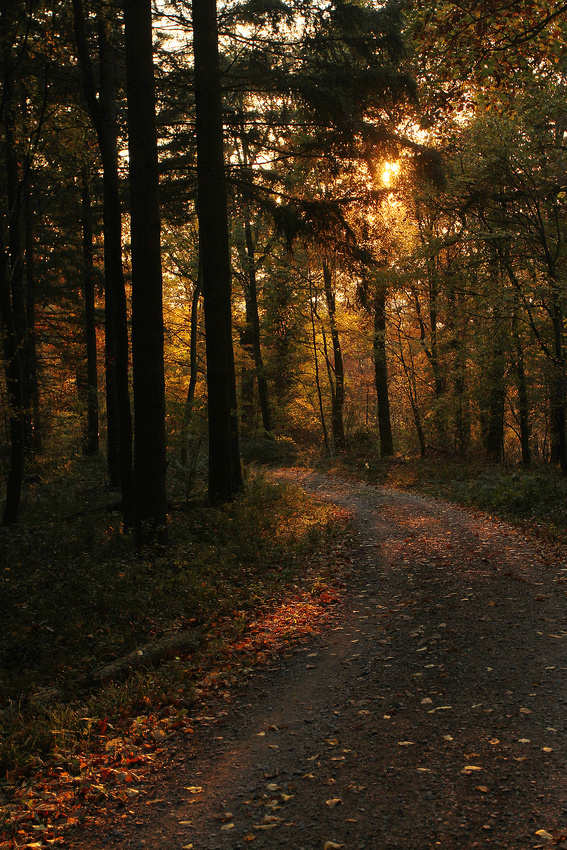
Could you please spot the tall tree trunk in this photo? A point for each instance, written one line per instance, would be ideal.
(312, 306)
(338, 395)
(558, 385)
(225, 474)
(381, 373)
(522, 389)
(496, 389)
(253, 315)
(12, 309)
(36, 440)
(90, 429)
(147, 306)
(192, 366)
(103, 114)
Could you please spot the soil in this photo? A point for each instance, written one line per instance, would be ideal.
(429, 712)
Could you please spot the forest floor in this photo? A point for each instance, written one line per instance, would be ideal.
(429, 711)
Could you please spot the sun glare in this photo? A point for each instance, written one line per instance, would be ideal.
(389, 171)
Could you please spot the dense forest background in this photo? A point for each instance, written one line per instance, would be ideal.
(324, 232)
(382, 232)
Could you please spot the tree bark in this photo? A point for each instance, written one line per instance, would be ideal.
(147, 305)
(12, 308)
(338, 394)
(254, 322)
(225, 474)
(381, 373)
(91, 425)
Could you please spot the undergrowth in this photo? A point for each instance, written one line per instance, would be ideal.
(74, 597)
(534, 498)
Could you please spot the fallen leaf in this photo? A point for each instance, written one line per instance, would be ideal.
(494, 741)
(273, 786)
(185, 822)
(332, 845)
(469, 768)
(524, 740)
(525, 711)
(187, 847)
(426, 701)
(547, 749)
(194, 789)
(544, 834)
(482, 788)
(336, 801)
(406, 743)
(448, 738)
(249, 837)
(286, 797)
(227, 826)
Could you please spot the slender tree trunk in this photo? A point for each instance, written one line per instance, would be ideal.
(225, 474)
(338, 395)
(147, 306)
(522, 390)
(12, 310)
(36, 440)
(90, 429)
(316, 361)
(192, 366)
(252, 301)
(381, 374)
(496, 391)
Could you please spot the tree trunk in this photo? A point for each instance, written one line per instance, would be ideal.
(312, 307)
(381, 373)
(252, 304)
(103, 114)
(12, 311)
(147, 307)
(225, 474)
(338, 394)
(522, 390)
(90, 429)
(193, 366)
(496, 390)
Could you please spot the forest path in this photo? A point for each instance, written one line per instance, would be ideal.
(432, 713)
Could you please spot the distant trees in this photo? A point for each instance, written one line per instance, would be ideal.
(380, 291)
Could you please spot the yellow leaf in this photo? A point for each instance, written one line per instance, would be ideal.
(547, 749)
(194, 789)
(468, 768)
(544, 834)
(227, 826)
(525, 711)
(482, 788)
(187, 847)
(405, 743)
(334, 802)
(332, 845)
(286, 797)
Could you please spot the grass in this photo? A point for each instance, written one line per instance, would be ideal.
(74, 597)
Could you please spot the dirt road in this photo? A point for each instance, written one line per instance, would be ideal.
(431, 713)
